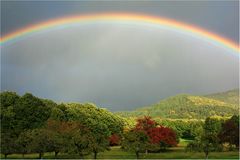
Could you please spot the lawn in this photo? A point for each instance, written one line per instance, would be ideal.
(117, 153)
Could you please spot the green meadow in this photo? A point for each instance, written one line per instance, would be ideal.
(117, 153)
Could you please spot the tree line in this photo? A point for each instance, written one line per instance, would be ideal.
(33, 125)
(217, 134)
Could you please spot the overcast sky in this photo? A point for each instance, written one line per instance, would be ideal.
(119, 66)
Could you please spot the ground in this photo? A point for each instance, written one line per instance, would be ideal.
(116, 153)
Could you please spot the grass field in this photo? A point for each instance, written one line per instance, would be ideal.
(116, 153)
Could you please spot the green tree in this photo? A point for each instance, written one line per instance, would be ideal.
(23, 142)
(41, 141)
(80, 138)
(98, 143)
(8, 145)
(230, 132)
(30, 112)
(61, 134)
(8, 122)
(100, 122)
(135, 141)
(208, 139)
(59, 113)
(212, 127)
(88, 114)
(98, 136)
(8, 102)
(8, 99)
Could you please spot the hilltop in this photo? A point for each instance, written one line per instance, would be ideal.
(187, 107)
(231, 96)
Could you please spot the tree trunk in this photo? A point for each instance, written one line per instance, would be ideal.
(80, 155)
(231, 147)
(137, 154)
(56, 153)
(23, 155)
(206, 154)
(5, 156)
(146, 152)
(95, 155)
(40, 155)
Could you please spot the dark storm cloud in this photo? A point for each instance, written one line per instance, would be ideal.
(118, 66)
(103, 64)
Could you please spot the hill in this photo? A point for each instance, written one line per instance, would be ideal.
(231, 96)
(185, 107)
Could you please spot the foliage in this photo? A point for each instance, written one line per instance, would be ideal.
(8, 99)
(8, 144)
(98, 143)
(135, 141)
(79, 138)
(163, 136)
(31, 112)
(157, 137)
(59, 112)
(230, 132)
(114, 140)
(41, 141)
(34, 125)
(97, 120)
(145, 123)
(58, 134)
(85, 126)
(23, 142)
(184, 128)
(8, 102)
(208, 140)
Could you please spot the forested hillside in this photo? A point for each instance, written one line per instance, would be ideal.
(231, 96)
(185, 107)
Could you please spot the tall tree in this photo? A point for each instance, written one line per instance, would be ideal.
(41, 141)
(135, 141)
(8, 102)
(8, 122)
(208, 140)
(24, 140)
(162, 136)
(230, 132)
(8, 145)
(30, 112)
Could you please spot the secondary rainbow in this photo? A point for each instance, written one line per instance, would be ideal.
(125, 17)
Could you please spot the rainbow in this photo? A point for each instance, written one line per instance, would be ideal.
(122, 17)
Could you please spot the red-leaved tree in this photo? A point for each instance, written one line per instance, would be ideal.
(114, 140)
(164, 136)
(145, 124)
(158, 135)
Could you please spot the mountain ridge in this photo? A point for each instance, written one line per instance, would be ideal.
(230, 96)
(189, 106)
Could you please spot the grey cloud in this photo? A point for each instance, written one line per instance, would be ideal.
(116, 66)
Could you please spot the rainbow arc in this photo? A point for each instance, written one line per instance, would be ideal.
(122, 17)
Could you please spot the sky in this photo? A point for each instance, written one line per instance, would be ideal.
(119, 66)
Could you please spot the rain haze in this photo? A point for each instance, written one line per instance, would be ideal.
(119, 66)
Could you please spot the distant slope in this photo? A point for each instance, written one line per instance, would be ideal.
(185, 106)
(231, 96)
